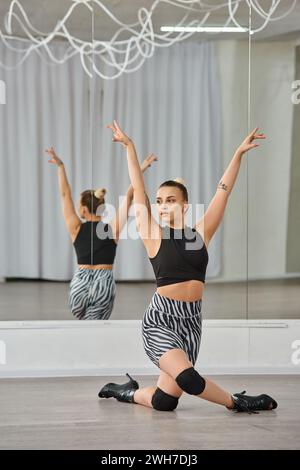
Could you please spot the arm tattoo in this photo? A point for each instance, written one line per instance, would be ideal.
(222, 186)
(147, 202)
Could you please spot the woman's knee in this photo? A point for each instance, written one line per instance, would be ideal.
(167, 383)
(190, 381)
(174, 361)
(163, 401)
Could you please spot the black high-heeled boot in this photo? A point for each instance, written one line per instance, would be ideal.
(123, 392)
(252, 404)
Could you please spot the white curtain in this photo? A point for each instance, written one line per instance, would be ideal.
(170, 107)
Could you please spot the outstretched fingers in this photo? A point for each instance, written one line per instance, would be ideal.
(151, 158)
(117, 126)
(111, 126)
(51, 154)
(255, 135)
(254, 131)
(251, 146)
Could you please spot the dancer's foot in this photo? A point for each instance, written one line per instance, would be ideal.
(123, 392)
(252, 404)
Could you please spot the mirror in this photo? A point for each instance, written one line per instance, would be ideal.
(187, 104)
(47, 104)
(274, 169)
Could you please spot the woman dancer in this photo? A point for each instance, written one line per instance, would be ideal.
(92, 288)
(171, 325)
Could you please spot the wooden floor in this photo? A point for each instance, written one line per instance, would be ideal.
(273, 299)
(65, 413)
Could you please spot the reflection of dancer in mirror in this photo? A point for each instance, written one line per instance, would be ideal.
(171, 326)
(92, 288)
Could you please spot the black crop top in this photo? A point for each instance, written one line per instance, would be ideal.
(182, 256)
(104, 245)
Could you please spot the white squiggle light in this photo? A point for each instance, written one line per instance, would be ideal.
(123, 55)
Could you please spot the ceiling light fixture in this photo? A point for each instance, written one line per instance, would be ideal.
(110, 59)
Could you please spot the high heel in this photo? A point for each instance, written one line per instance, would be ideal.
(251, 404)
(122, 392)
(130, 378)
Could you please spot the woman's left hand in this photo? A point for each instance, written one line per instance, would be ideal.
(248, 144)
(148, 161)
(54, 158)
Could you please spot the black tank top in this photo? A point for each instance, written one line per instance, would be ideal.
(104, 246)
(182, 256)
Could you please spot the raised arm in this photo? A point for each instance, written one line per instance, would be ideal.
(212, 218)
(72, 220)
(120, 219)
(146, 224)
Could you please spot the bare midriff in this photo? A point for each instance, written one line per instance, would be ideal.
(188, 291)
(95, 266)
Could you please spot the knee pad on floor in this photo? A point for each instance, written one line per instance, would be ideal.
(190, 381)
(163, 401)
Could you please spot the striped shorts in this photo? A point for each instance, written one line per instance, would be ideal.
(92, 293)
(169, 324)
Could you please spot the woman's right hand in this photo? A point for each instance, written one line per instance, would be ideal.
(54, 158)
(118, 134)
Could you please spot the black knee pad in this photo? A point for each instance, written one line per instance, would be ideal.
(190, 381)
(163, 401)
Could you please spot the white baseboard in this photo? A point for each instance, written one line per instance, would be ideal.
(144, 371)
(73, 348)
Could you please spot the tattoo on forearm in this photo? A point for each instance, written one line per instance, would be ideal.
(222, 186)
(147, 201)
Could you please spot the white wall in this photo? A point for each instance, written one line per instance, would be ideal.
(272, 73)
(50, 348)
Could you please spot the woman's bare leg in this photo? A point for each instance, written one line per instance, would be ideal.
(173, 362)
(143, 396)
(216, 394)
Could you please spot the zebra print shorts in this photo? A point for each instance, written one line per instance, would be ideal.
(169, 324)
(92, 293)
